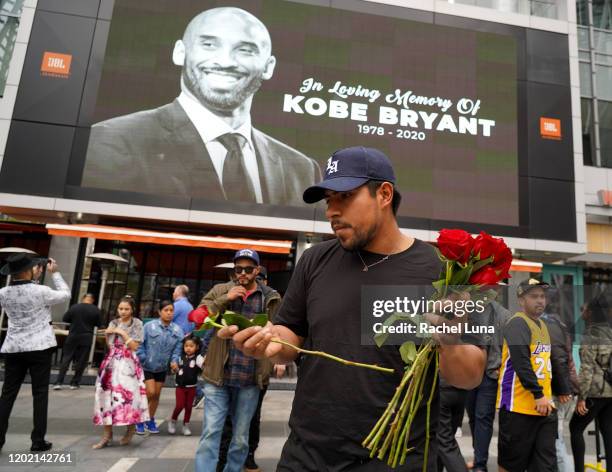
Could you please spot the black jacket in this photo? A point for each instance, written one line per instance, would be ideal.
(559, 355)
(83, 317)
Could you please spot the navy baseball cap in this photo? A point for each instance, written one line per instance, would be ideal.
(247, 254)
(350, 168)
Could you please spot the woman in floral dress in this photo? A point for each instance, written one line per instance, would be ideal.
(121, 398)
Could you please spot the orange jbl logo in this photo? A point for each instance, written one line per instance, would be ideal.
(550, 128)
(56, 64)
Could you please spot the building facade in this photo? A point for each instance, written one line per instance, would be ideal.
(495, 114)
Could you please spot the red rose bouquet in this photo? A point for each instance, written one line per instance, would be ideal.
(469, 263)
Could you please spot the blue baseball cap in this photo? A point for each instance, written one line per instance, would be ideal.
(350, 168)
(247, 254)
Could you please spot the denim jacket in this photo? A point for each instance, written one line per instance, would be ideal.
(161, 346)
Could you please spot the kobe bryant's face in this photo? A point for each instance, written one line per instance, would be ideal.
(225, 55)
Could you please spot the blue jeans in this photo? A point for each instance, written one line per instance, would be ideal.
(240, 403)
(199, 388)
(481, 411)
(565, 463)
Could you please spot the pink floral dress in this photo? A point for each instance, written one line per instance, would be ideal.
(121, 397)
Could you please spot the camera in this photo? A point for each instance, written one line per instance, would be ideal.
(43, 262)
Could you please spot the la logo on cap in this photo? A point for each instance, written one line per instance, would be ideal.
(332, 166)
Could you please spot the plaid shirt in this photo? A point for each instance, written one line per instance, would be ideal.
(240, 369)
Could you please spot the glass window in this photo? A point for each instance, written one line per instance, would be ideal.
(603, 76)
(587, 131)
(582, 13)
(603, 59)
(480, 3)
(586, 89)
(8, 35)
(603, 42)
(154, 271)
(544, 8)
(10, 11)
(11, 7)
(602, 14)
(605, 132)
(583, 38)
(541, 8)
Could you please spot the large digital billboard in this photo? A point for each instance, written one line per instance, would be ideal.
(237, 106)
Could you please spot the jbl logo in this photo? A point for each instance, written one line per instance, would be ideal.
(56, 64)
(550, 128)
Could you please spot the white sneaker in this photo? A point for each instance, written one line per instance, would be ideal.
(57, 387)
(186, 430)
(171, 426)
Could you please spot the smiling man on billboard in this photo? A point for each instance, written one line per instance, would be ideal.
(203, 145)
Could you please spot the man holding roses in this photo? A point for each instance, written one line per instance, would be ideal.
(334, 408)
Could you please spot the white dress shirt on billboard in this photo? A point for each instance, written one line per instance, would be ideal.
(210, 127)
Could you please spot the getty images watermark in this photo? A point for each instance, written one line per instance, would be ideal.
(399, 314)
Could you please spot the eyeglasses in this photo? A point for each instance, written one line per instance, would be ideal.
(241, 269)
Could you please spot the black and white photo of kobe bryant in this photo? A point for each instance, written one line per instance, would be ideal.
(203, 145)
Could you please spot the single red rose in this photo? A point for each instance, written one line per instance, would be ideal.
(502, 260)
(486, 245)
(199, 315)
(485, 276)
(455, 244)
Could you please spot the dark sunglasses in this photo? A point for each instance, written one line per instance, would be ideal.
(241, 269)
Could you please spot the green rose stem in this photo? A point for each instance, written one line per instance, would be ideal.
(375, 435)
(429, 410)
(405, 433)
(372, 439)
(316, 353)
(395, 423)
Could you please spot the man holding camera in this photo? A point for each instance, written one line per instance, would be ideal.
(30, 339)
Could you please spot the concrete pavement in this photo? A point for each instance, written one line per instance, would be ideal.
(71, 430)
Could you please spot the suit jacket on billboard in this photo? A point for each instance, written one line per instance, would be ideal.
(159, 151)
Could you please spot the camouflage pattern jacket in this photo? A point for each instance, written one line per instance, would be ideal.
(595, 353)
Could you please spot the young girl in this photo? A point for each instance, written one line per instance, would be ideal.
(189, 369)
(161, 348)
(121, 398)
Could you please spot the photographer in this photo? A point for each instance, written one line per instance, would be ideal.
(30, 339)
